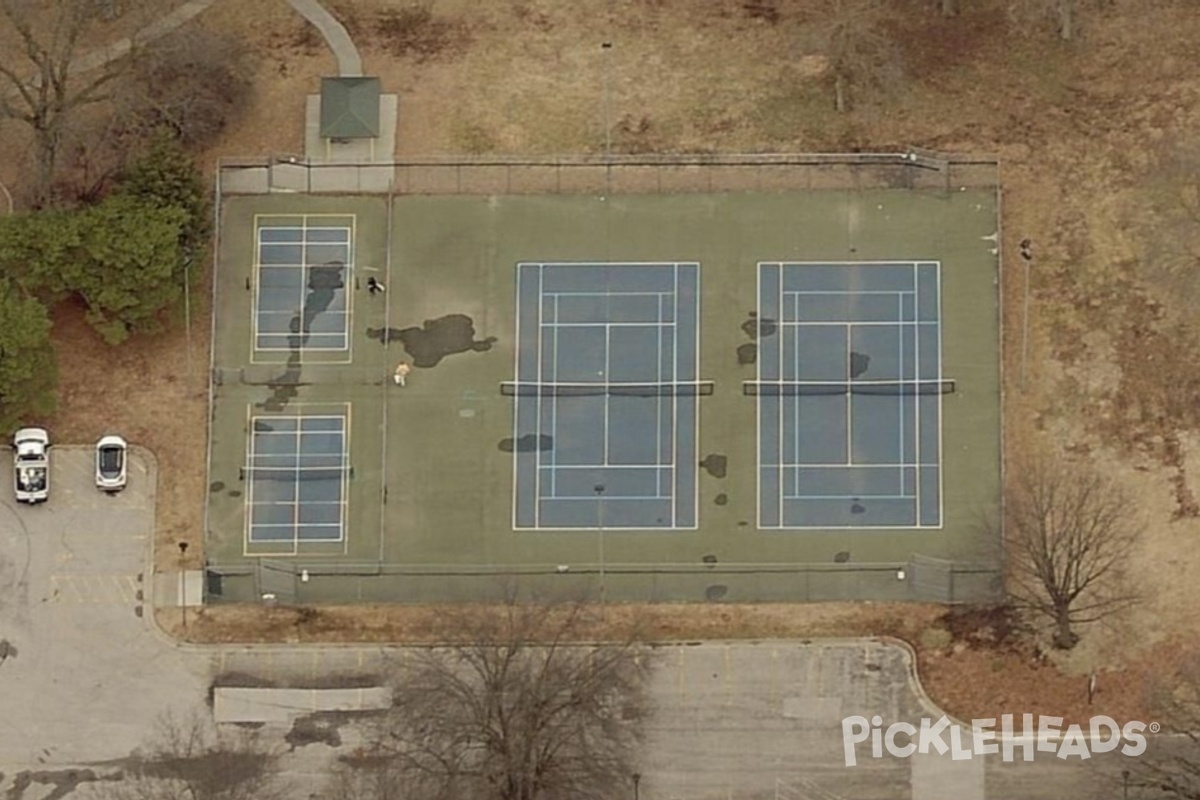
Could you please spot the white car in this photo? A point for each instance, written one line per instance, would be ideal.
(111, 463)
(31, 465)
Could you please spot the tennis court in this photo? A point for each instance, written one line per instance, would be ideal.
(605, 375)
(850, 395)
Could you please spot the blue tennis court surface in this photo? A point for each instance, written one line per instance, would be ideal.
(302, 273)
(606, 395)
(849, 393)
(296, 475)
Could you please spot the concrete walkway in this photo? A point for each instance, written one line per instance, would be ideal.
(349, 62)
(154, 30)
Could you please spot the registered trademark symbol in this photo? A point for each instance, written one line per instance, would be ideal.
(1155, 727)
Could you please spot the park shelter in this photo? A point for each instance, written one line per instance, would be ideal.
(349, 111)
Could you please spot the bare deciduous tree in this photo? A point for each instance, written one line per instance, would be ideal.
(191, 82)
(861, 55)
(1065, 15)
(187, 758)
(1069, 533)
(368, 778)
(517, 711)
(43, 83)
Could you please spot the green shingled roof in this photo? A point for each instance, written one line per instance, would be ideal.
(349, 108)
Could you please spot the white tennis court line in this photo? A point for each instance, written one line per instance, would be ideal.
(858, 324)
(593, 499)
(606, 325)
(516, 405)
(674, 398)
(782, 345)
(608, 466)
(606, 439)
(860, 495)
(917, 369)
(851, 292)
(604, 295)
(758, 305)
(549, 455)
(839, 465)
(940, 399)
(900, 370)
(658, 406)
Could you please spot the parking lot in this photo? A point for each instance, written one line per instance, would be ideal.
(83, 673)
(83, 677)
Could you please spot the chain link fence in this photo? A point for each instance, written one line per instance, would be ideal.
(310, 582)
(617, 174)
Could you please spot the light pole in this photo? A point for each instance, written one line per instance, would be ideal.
(187, 315)
(606, 48)
(1027, 257)
(183, 546)
(599, 489)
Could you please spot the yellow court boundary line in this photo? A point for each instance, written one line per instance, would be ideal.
(351, 273)
(347, 428)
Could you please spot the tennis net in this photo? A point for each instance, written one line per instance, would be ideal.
(674, 389)
(293, 474)
(818, 388)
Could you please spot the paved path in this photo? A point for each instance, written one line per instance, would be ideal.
(155, 30)
(349, 62)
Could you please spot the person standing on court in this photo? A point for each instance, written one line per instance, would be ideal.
(401, 373)
(374, 287)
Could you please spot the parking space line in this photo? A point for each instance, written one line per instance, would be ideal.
(92, 589)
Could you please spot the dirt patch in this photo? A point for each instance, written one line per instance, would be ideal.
(657, 623)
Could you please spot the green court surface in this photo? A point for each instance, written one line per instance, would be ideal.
(423, 509)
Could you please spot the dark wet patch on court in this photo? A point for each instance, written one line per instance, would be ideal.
(715, 464)
(216, 486)
(859, 363)
(721, 499)
(436, 339)
(384, 335)
(757, 328)
(841, 557)
(710, 560)
(716, 592)
(323, 281)
(747, 354)
(529, 443)
(283, 387)
(857, 508)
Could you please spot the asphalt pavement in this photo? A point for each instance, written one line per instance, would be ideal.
(85, 675)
